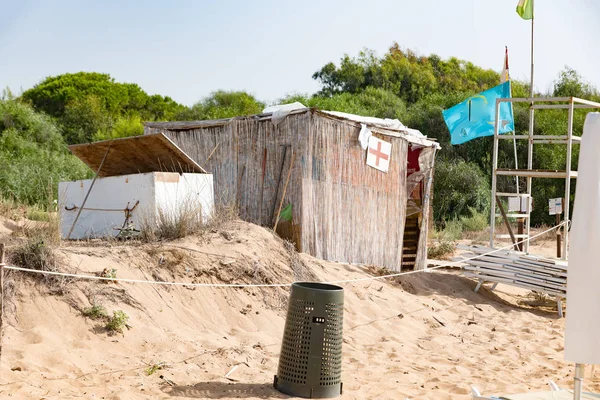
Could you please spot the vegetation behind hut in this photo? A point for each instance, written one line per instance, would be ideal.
(84, 107)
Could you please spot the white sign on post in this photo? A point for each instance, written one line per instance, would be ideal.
(378, 154)
(526, 204)
(514, 204)
(555, 206)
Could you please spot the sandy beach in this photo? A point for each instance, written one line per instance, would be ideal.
(423, 336)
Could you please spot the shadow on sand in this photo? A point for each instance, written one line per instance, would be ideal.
(225, 390)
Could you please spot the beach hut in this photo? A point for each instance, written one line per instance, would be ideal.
(305, 170)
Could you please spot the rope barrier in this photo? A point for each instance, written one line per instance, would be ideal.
(236, 285)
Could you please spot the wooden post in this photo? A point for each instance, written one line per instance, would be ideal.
(262, 186)
(558, 238)
(285, 148)
(510, 232)
(287, 181)
(520, 231)
(88, 193)
(238, 196)
(210, 155)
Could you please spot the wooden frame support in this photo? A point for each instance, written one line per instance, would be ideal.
(510, 232)
(88, 193)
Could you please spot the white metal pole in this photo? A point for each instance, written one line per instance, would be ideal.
(516, 162)
(494, 167)
(515, 149)
(578, 387)
(530, 141)
(567, 208)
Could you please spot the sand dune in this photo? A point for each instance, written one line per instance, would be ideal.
(426, 336)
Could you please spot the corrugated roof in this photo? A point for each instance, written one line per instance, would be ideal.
(136, 154)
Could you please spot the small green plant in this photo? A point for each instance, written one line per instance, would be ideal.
(440, 249)
(450, 231)
(476, 222)
(117, 322)
(453, 230)
(35, 213)
(110, 273)
(155, 367)
(95, 312)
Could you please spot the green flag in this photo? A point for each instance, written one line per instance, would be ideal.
(525, 9)
(286, 213)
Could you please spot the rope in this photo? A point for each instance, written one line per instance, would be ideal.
(239, 285)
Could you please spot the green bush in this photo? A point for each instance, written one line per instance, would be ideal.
(95, 312)
(33, 156)
(450, 230)
(117, 322)
(35, 213)
(440, 249)
(373, 102)
(475, 222)
(85, 103)
(222, 104)
(459, 187)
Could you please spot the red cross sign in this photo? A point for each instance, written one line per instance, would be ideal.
(378, 154)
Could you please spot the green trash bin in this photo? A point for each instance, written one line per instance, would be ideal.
(310, 363)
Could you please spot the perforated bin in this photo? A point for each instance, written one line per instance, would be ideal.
(310, 363)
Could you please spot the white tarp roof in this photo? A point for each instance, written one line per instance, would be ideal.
(280, 111)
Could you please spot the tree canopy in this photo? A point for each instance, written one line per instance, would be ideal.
(222, 104)
(405, 74)
(33, 154)
(88, 105)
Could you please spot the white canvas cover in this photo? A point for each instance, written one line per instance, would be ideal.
(582, 336)
(280, 111)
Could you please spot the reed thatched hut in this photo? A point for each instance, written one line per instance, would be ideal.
(341, 208)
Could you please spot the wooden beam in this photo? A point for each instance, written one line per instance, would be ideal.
(287, 181)
(239, 189)
(510, 232)
(262, 186)
(210, 155)
(88, 192)
(279, 181)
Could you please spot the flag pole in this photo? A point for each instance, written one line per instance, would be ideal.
(530, 141)
(532, 18)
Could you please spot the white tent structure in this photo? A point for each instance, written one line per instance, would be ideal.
(582, 344)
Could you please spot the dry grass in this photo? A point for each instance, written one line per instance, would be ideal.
(548, 236)
(37, 250)
(302, 272)
(37, 254)
(186, 220)
(441, 249)
(169, 257)
(10, 209)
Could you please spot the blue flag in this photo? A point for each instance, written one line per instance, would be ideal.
(475, 116)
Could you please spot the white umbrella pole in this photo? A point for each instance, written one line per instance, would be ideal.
(579, 371)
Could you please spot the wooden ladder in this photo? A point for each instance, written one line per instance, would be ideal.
(411, 243)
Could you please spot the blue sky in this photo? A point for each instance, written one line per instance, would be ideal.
(187, 49)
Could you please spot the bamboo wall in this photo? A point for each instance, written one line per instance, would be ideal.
(343, 210)
(351, 212)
